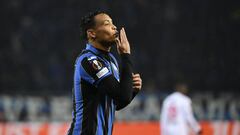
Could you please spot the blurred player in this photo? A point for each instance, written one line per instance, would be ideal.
(99, 87)
(177, 115)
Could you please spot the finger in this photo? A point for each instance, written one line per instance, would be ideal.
(117, 41)
(119, 45)
(120, 32)
(124, 34)
(136, 75)
(136, 83)
(121, 35)
(137, 79)
(124, 37)
(137, 87)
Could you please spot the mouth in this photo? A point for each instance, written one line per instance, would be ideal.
(116, 34)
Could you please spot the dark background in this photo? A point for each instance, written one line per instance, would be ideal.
(194, 41)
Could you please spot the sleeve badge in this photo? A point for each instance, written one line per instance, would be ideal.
(97, 65)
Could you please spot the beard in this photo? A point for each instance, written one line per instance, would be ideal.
(106, 43)
(110, 41)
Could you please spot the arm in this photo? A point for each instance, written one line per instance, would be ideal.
(124, 47)
(130, 83)
(122, 92)
(191, 120)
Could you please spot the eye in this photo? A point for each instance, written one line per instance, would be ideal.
(106, 23)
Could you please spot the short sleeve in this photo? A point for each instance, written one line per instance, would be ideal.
(94, 69)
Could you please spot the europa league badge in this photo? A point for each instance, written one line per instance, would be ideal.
(96, 65)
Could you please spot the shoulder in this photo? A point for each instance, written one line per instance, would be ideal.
(186, 98)
(85, 55)
(168, 99)
(90, 62)
(179, 97)
(86, 58)
(91, 66)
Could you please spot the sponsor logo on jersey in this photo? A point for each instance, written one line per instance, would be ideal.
(102, 72)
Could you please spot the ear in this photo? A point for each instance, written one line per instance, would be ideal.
(91, 34)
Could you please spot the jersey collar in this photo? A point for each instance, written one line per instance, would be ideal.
(95, 50)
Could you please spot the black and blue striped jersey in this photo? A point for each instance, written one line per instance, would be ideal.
(97, 91)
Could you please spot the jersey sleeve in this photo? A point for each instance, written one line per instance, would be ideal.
(93, 69)
(190, 117)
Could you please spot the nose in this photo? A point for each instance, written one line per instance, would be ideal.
(114, 27)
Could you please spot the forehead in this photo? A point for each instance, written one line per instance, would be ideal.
(102, 17)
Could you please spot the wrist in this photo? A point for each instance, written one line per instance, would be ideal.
(126, 58)
(125, 55)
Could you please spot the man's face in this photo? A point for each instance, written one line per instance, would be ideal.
(105, 31)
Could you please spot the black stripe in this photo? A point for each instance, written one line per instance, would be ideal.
(91, 99)
(106, 115)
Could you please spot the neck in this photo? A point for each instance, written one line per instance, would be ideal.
(100, 46)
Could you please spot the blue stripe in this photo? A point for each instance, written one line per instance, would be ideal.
(111, 118)
(79, 109)
(100, 118)
(78, 100)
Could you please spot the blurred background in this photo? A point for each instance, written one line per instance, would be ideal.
(193, 41)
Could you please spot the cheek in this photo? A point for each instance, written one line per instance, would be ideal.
(104, 34)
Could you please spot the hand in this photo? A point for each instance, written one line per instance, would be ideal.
(137, 82)
(122, 43)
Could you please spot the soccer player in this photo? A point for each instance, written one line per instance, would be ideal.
(177, 115)
(100, 87)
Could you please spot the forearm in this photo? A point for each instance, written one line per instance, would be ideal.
(194, 124)
(121, 92)
(126, 79)
(121, 105)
